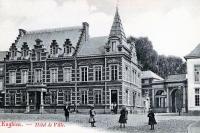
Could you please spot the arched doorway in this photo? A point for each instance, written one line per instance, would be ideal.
(177, 99)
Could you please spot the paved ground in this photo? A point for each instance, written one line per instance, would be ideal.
(137, 123)
(194, 127)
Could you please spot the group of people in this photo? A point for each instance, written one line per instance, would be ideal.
(122, 119)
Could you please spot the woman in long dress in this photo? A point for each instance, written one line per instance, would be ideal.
(123, 116)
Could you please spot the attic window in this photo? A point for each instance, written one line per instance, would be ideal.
(54, 47)
(67, 46)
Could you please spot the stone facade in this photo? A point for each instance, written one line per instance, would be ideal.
(193, 63)
(46, 69)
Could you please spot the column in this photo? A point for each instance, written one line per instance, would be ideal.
(41, 103)
(27, 103)
(167, 102)
(153, 97)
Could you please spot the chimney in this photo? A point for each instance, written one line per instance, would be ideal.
(86, 28)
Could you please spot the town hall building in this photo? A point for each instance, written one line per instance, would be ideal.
(45, 69)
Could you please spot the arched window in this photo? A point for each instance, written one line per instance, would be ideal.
(160, 97)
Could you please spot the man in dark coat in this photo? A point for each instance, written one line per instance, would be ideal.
(152, 119)
(66, 110)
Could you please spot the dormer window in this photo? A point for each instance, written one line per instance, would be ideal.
(13, 54)
(67, 47)
(24, 50)
(54, 48)
(13, 51)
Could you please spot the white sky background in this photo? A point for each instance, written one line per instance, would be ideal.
(173, 26)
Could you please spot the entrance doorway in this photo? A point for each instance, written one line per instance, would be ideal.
(38, 100)
(114, 97)
(177, 100)
(35, 100)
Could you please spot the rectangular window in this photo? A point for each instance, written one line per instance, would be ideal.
(114, 72)
(97, 96)
(197, 73)
(12, 98)
(133, 75)
(1, 70)
(54, 97)
(197, 90)
(1, 84)
(114, 46)
(97, 73)
(84, 73)
(84, 97)
(67, 73)
(12, 77)
(38, 75)
(54, 75)
(38, 56)
(134, 99)
(67, 96)
(24, 76)
(127, 97)
(23, 97)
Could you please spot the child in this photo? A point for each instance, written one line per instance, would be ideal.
(123, 117)
(92, 115)
(152, 119)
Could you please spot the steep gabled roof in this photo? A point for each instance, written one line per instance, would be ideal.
(117, 28)
(195, 53)
(95, 46)
(47, 35)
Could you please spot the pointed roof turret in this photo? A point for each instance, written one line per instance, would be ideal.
(117, 28)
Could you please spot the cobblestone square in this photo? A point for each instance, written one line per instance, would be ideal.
(137, 123)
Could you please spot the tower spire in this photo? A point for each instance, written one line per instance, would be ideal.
(117, 28)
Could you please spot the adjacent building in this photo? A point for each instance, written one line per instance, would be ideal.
(46, 69)
(165, 95)
(148, 77)
(193, 70)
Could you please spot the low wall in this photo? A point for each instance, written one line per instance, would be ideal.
(16, 109)
(160, 110)
(193, 112)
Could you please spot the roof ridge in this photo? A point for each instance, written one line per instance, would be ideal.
(177, 74)
(54, 29)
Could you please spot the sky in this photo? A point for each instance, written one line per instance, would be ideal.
(173, 26)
